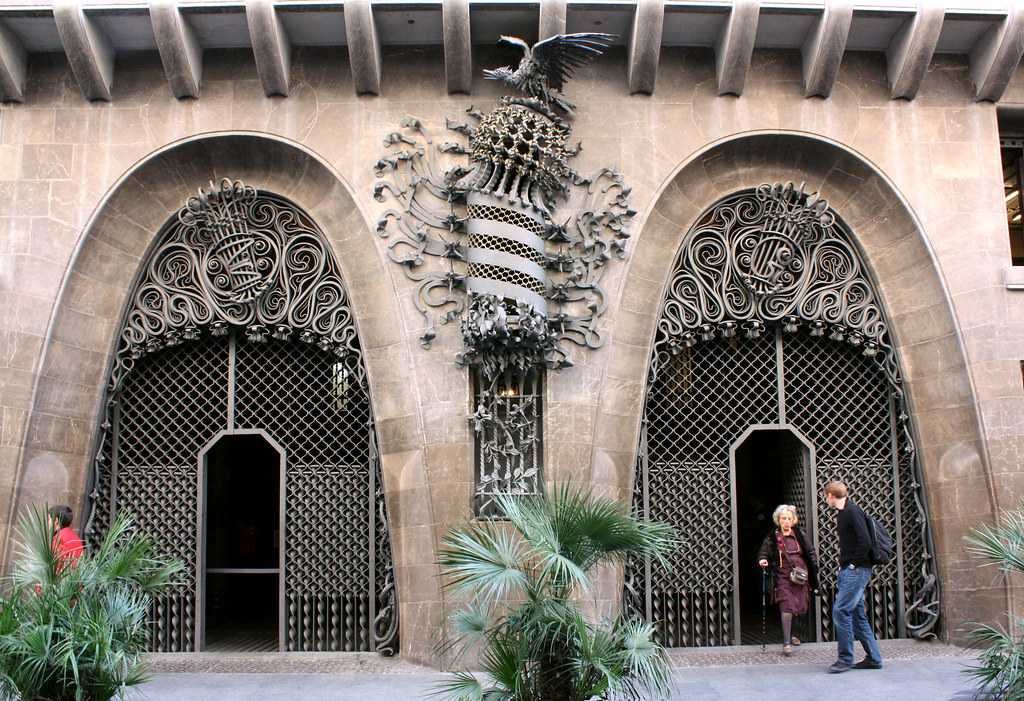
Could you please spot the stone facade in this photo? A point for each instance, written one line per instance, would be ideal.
(85, 187)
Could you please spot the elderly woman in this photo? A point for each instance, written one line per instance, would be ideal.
(794, 568)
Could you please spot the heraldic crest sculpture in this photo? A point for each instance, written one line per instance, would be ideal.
(512, 243)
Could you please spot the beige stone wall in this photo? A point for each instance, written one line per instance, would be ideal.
(919, 182)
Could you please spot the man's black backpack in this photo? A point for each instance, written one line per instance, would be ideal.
(881, 542)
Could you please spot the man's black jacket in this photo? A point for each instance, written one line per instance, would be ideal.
(854, 536)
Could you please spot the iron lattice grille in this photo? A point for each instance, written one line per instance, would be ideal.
(840, 400)
(155, 465)
(317, 406)
(240, 319)
(794, 488)
(700, 401)
(775, 263)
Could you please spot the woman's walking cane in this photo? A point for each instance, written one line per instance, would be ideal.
(764, 606)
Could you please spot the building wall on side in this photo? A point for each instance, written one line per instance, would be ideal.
(59, 157)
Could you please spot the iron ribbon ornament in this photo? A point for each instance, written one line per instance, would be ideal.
(241, 320)
(511, 242)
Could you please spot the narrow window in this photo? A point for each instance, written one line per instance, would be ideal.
(508, 426)
(1013, 155)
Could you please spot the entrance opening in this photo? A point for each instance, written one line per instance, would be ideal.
(772, 467)
(242, 537)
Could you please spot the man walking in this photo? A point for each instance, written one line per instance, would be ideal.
(849, 616)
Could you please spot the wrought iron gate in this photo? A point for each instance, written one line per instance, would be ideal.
(241, 321)
(771, 318)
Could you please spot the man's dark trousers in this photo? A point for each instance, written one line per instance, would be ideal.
(849, 616)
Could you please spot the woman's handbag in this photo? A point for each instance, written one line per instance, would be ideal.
(797, 575)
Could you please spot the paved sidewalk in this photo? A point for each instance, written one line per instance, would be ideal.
(915, 671)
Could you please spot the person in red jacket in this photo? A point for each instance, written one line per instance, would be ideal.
(66, 543)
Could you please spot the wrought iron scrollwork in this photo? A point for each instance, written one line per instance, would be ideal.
(511, 241)
(777, 263)
(241, 320)
(774, 256)
(431, 231)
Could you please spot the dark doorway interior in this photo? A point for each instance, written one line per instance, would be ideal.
(771, 469)
(242, 534)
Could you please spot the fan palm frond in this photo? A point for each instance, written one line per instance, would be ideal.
(483, 560)
(999, 671)
(523, 578)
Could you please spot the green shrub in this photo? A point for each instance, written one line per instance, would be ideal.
(78, 630)
(1000, 668)
(545, 649)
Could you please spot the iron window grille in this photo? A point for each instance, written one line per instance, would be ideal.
(509, 445)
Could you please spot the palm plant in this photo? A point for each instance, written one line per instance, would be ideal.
(77, 630)
(521, 581)
(1000, 668)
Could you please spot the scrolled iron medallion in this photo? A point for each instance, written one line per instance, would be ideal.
(240, 320)
(513, 243)
(238, 258)
(774, 256)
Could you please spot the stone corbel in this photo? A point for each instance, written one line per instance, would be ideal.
(734, 46)
(89, 51)
(823, 50)
(645, 45)
(994, 58)
(458, 47)
(13, 66)
(270, 46)
(552, 18)
(180, 52)
(364, 56)
(912, 48)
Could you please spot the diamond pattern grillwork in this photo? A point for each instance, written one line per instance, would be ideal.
(840, 400)
(501, 244)
(317, 406)
(700, 401)
(503, 274)
(157, 444)
(505, 215)
(99, 519)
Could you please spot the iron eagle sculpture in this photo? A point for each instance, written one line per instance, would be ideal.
(549, 64)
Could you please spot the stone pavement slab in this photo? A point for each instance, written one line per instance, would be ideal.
(915, 671)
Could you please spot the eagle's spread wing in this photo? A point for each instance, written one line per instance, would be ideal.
(560, 55)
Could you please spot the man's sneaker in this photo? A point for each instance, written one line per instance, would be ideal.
(868, 663)
(839, 667)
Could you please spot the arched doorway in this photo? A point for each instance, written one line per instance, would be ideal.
(240, 322)
(771, 319)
